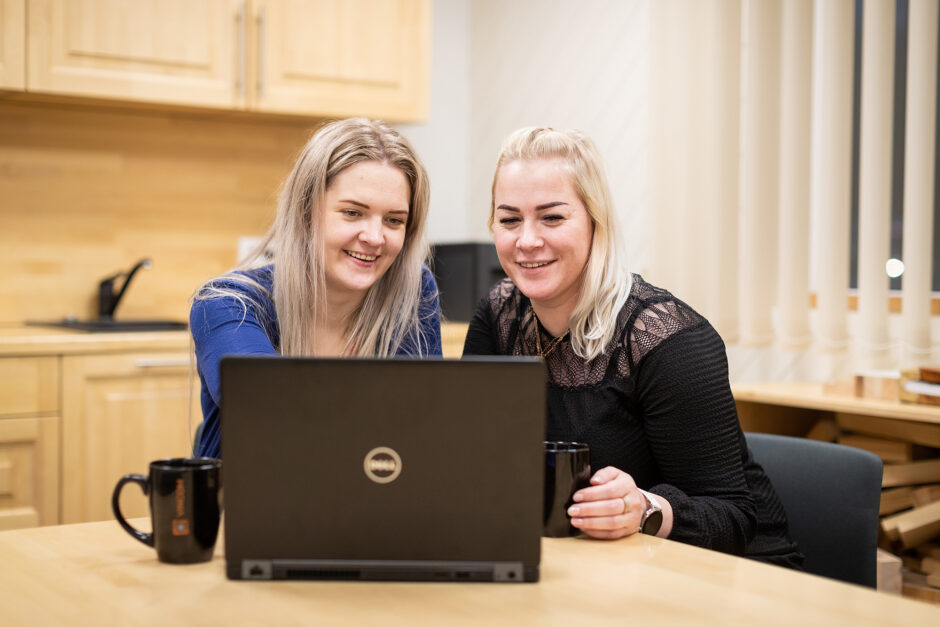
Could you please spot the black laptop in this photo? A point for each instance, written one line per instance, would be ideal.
(383, 469)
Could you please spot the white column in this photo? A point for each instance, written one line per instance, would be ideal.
(832, 130)
(795, 114)
(874, 198)
(760, 137)
(918, 180)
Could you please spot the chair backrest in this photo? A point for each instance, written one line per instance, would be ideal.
(831, 494)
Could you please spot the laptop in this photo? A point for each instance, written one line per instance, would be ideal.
(383, 469)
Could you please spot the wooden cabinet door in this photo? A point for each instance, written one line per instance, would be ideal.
(12, 44)
(119, 413)
(170, 51)
(29, 472)
(336, 58)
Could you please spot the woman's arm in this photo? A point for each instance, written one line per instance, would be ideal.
(429, 313)
(692, 427)
(222, 326)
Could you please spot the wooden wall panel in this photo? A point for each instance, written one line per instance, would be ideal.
(87, 191)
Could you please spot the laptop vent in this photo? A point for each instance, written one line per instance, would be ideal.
(315, 573)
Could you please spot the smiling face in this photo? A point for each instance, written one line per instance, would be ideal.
(363, 219)
(542, 232)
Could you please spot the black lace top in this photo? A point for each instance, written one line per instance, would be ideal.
(656, 404)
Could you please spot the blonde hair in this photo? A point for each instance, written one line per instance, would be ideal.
(389, 311)
(606, 280)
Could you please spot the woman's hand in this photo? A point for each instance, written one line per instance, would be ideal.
(611, 508)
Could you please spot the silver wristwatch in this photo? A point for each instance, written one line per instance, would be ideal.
(652, 518)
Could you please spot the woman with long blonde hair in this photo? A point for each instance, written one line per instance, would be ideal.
(348, 275)
(633, 371)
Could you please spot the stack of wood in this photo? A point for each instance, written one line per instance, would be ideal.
(910, 500)
(920, 385)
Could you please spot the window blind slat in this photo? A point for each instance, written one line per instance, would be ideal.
(832, 128)
(918, 180)
(795, 111)
(760, 142)
(875, 158)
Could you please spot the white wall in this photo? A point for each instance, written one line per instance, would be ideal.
(566, 65)
(498, 65)
(443, 141)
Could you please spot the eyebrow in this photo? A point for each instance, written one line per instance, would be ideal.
(547, 205)
(365, 206)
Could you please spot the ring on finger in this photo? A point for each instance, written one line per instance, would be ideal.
(626, 505)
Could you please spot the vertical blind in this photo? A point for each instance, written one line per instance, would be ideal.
(751, 170)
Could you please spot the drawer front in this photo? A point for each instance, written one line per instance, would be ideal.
(29, 471)
(29, 385)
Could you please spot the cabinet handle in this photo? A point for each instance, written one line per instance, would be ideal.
(240, 27)
(169, 362)
(260, 22)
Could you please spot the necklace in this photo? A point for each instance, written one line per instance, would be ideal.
(552, 345)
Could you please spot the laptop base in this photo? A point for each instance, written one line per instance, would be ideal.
(358, 570)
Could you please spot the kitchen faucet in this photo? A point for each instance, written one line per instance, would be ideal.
(107, 300)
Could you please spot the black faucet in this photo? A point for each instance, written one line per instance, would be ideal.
(107, 300)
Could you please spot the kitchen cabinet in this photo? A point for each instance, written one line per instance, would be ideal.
(119, 412)
(12, 44)
(336, 57)
(29, 441)
(326, 58)
(167, 51)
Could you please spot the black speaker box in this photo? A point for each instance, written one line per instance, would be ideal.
(464, 273)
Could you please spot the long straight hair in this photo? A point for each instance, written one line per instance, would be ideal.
(390, 309)
(606, 279)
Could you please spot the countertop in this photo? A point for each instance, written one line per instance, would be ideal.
(23, 340)
(805, 395)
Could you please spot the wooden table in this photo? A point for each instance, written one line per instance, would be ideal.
(95, 573)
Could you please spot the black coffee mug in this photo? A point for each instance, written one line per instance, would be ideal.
(185, 506)
(567, 470)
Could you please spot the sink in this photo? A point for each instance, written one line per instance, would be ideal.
(113, 326)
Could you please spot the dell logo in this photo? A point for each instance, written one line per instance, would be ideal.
(382, 464)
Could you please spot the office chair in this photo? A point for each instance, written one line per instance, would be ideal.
(197, 437)
(831, 494)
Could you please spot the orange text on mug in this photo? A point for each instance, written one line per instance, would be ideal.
(180, 524)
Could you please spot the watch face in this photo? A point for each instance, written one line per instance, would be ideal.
(652, 523)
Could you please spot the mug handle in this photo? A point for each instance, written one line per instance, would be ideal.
(144, 482)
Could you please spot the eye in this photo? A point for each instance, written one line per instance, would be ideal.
(395, 221)
(553, 218)
(508, 220)
(351, 213)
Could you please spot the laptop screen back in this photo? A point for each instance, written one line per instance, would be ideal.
(382, 464)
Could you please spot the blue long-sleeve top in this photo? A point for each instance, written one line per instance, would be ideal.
(223, 326)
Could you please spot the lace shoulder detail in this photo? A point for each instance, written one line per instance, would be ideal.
(510, 312)
(650, 316)
(502, 295)
(653, 316)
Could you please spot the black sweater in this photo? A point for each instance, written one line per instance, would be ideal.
(656, 404)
